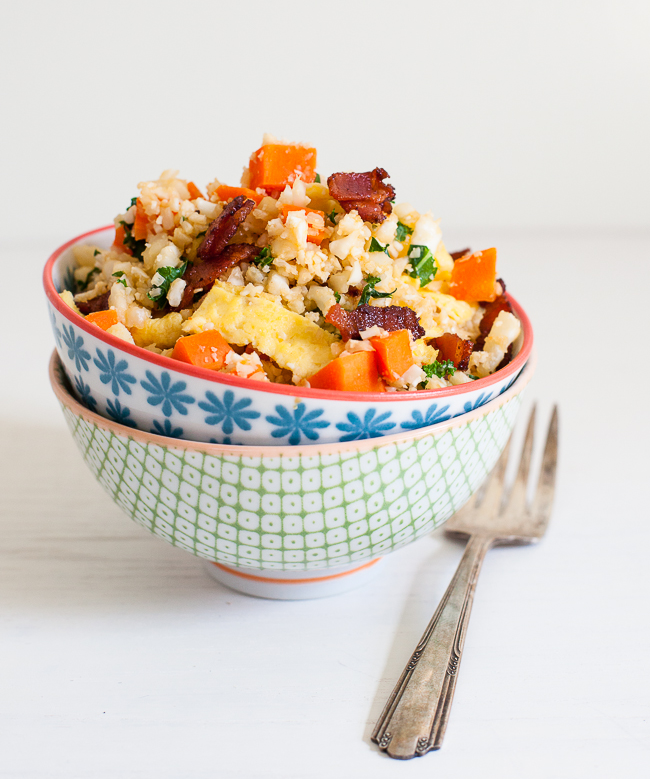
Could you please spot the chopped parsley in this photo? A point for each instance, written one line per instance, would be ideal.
(134, 200)
(439, 369)
(332, 216)
(158, 292)
(200, 235)
(82, 286)
(96, 252)
(317, 179)
(369, 291)
(375, 246)
(337, 297)
(120, 277)
(423, 264)
(264, 258)
(402, 231)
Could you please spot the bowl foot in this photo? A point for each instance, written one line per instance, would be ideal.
(293, 585)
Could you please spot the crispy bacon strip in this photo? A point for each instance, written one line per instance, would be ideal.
(202, 276)
(100, 303)
(224, 227)
(461, 253)
(452, 347)
(351, 323)
(492, 311)
(364, 192)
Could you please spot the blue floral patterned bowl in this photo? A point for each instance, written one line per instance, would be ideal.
(293, 521)
(148, 392)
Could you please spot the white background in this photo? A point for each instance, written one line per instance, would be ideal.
(522, 125)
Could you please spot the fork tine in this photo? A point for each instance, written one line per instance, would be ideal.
(516, 501)
(543, 501)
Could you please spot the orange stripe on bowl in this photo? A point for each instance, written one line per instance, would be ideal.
(268, 580)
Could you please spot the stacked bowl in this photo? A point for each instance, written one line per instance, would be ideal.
(286, 492)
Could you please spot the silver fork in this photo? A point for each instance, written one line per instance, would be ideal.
(415, 717)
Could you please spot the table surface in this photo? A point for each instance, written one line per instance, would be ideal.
(120, 657)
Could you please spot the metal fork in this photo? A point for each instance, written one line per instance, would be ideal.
(415, 717)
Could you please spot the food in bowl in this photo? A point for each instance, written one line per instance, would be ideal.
(289, 280)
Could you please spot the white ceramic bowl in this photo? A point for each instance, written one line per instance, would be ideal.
(293, 521)
(156, 394)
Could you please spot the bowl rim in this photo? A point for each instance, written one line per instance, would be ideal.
(66, 399)
(277, 389)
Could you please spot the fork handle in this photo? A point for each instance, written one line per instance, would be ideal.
(414, 719)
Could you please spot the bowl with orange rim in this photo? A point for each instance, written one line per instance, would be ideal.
(289, 521)
(154, 393)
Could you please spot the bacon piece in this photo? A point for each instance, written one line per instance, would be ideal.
(459, 254)
(351, 323)
(203, 275)
(492, 311)
(452, 347)
(100, 303)
(364, 192)
(225, 226)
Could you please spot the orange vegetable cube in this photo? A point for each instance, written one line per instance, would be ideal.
(118, 242)
(225, 192)
(393, 354)
(275, 165)
(314, 235)
(355, 372)
(103, 319)
(474, 276)
(193, 190)
(139, 229)
(204, 350)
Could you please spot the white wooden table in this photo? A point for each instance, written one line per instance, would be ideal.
(120, 658)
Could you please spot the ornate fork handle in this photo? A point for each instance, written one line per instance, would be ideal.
(415, 717)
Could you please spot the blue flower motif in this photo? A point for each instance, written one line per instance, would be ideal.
(119, 413)
(480, 401)
(75, 346)
(84, 393)
(370, 426)
(433, 415)
(55, 329)
(170, 395)
(228, 412)
(297, 424)
(167, 429)
(113, 373)
(507, 386)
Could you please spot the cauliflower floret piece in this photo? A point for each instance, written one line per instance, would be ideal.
(505, 329)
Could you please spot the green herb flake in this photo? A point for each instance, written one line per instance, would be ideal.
(137, 247)
(96, 252)
(337, 297)
(375, 246)
(369, 291)
(439, 369)
(402, 231)
(159, 292)
(332, 216)
(120, 277)
(264, 258)
(423, 264)
(82, 286)
(317, 178)
(134, 200)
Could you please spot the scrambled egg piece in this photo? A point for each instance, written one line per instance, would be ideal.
(293, 342)
(162, 332)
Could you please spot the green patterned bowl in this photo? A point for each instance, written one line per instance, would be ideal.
(293, 521)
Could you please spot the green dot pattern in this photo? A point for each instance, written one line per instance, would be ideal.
(296, 512)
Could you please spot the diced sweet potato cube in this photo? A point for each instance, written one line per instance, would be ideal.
(355, 372)
(103, 319)
(393, 354)
(314, 235)
(224, 192)
(275, 165)
(204, 350)
(473, 277)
